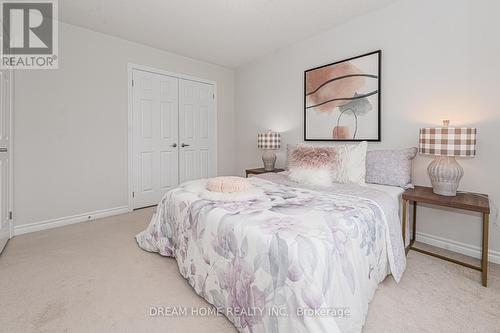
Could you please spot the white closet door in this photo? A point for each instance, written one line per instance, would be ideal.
(5, 157)
(155, 135)
(197, 130)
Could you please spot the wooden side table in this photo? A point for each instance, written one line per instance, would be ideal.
(260, 171)
(466, 201)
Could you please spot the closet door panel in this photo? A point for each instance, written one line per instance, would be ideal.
(197, 130)
(155, 137)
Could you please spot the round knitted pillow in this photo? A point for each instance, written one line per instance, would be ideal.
(228, 184)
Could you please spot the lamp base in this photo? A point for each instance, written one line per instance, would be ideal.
(269, 159)
(445, 174)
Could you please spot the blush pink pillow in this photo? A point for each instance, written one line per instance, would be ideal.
(312, 165)
(228, 184)
(312, 157)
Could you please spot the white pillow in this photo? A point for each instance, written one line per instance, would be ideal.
(351, 164)
(311, 176)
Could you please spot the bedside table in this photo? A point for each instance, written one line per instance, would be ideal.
(260, 171)
(465, 201)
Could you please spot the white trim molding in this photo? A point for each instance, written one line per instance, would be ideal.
(11, 149)
(59, 222)
(132, 66)
(462, 248)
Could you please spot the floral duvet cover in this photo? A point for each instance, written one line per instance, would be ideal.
(293, 259)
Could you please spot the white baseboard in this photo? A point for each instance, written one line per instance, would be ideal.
(444, 243)
(54, 223)
(462, 248)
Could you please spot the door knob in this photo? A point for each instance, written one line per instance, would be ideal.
(184, 145)
(174, 145)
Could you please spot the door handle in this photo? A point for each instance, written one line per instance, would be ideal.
(174, 145)
(184, 145)
(4, 150)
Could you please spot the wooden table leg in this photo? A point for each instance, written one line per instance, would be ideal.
(405, 204)
(414, 222)
(484, 262)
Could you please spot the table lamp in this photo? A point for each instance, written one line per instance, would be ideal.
(269, 142)
(446, 143)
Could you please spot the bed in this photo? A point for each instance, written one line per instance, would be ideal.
(292, 258)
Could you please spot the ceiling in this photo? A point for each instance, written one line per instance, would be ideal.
(224, 32)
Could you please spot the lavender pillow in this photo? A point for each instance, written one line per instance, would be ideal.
(390, 167)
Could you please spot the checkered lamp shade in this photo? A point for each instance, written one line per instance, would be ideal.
(448, 141)
(269, 140)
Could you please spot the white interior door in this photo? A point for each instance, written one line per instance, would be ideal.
(155, 134)
(5, 156)
(197, 130)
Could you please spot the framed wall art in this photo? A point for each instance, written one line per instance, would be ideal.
(342, 100)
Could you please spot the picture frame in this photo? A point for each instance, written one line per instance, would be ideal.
(342, 100)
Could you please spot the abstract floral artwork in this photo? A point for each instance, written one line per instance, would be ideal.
(342, 100)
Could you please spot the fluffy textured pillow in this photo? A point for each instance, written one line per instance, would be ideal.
(390, 167)
(311, 165)
(228, 184)
(351, 164)
(289, 149)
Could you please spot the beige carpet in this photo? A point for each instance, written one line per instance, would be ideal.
(92, 277)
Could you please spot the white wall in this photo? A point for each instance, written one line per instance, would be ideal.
(441, 60)
(71, 124)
